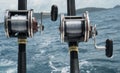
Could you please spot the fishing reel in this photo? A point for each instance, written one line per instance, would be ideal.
(75, 28)
(19, 23)
(79, 29)
(53, 14)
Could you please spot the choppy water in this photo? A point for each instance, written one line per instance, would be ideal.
(46, 54)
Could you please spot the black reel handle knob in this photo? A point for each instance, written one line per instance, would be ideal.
(41, 27)
(54, 12)
(109, 48)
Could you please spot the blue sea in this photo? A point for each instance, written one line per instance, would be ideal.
(46, 53)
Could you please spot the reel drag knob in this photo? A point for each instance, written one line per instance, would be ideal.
(54, 12)
(109, 48)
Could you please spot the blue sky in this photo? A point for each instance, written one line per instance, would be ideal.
(44, 5)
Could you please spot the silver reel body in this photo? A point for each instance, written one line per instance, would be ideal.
(75, 28)
(19, 23)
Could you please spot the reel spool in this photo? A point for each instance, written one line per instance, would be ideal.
(75, 28)
(19, 23)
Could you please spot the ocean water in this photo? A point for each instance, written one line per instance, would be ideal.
(46, 54)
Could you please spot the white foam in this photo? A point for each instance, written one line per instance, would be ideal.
(81, 65)
(6, 62)
(52, 66)
(83, 62)
(11, 70)
(65, 69)
(42, 51)
(87, 71)
(58, 70)
(51, 57)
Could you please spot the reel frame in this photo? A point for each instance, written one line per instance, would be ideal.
(8, 23)
(85, 27)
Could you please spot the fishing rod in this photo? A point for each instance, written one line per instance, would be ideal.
(73, 45)
(22, 5)
(75, 29)
(21, 24)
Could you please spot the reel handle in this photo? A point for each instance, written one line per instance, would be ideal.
(54, 12)
(109, 48)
